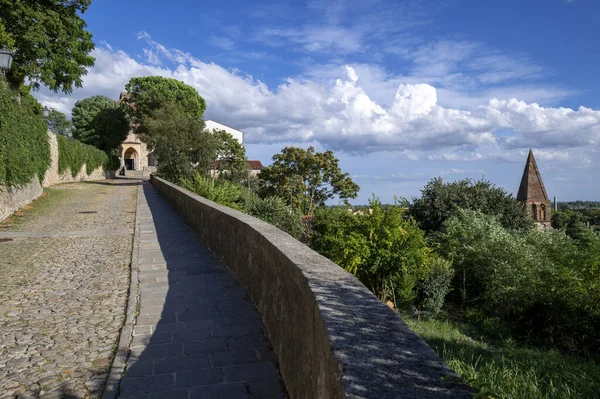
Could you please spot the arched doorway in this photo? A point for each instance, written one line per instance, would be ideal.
(130, 159)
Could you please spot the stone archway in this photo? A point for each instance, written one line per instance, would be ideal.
(131, 159)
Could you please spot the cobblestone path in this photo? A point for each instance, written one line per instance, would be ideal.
(64, 276)
(197, 336)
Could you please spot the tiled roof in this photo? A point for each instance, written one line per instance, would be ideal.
(255, 165)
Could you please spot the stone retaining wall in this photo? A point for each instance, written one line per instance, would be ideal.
(12, 199)
(332, 337)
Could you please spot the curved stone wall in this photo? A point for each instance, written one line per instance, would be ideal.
(332, 337)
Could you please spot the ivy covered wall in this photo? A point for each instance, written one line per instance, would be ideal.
(24, 147)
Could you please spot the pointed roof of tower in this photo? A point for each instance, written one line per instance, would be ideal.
(532, 186)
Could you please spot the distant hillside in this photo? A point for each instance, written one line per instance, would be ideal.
(577, 205)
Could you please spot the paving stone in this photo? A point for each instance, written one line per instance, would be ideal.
(250, 371)
(237, 390)
(150, 339)
(157, 351)
(192, 378)
(171, 394)
(214, 331)
(146, 384)
(205, 346)
(190, 335)
(174, 364)
(233, 357)
(63, 290)
(266, 388)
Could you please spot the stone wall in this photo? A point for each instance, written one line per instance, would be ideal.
(11, 199)
(333, 338)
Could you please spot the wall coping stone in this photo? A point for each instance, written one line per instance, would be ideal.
(333, 338)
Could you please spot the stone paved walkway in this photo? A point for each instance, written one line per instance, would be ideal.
(64, 276)
(197, 335)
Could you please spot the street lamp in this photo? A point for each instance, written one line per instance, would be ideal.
(6, 58)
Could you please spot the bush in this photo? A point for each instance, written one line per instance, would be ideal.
(544, 285)
(73, 154)
(274, 210)
(24, 146)
(432, 290)
(220, 191)
(385, 251)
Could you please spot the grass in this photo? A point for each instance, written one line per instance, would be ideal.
(500, 367)
(45, 202)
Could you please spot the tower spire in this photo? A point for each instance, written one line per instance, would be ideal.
(532, 187)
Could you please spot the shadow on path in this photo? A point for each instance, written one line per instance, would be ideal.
(197, 335)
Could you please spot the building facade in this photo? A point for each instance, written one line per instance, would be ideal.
(135, 155)
(533, 194)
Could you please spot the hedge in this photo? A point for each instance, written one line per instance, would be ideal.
(24, 146)
(73, 154)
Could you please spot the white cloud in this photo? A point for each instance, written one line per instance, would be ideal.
(336, 107)
(538, 126)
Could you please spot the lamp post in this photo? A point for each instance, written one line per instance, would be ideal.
(6, 58)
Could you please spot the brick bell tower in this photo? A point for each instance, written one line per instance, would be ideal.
(533, 193)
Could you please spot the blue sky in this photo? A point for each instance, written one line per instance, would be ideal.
(402, 91)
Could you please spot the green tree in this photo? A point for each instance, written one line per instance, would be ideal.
(180, 142)
(147, 94)
(439, 201)
(50, 42)
(101, 122)
(384, 250)
(58, 123)
(540, 283)
(230, 156)
(306, 178)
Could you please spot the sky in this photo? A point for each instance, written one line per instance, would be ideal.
(401, 91)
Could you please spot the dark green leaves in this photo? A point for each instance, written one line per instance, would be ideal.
(101, 122)
(440, 200)
(147, 94)
(50, 41)
(306, 179)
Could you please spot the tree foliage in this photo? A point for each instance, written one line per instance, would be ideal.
(101, 122)
(230, 156)
(180, 142)
(543, 284)
(385, 251)
(58, 123)
(440, 201)
(147, 94)
(50, 42)
(306, 179)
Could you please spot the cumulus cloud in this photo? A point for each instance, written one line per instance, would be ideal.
(345, 110)
(546, 127)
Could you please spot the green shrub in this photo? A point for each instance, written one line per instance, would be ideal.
(432, 290)
(544, 285)
(73, 154)
(385, 251)
(220, 191)
(274, 210)
(24, 146)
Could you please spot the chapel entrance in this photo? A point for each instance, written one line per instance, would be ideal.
(129, 159)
